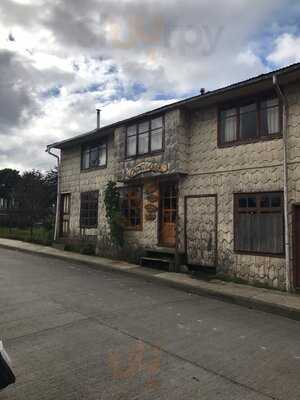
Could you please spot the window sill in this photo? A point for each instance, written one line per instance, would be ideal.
(153, 154)
(250, 141)
(93, 169)
(257, 254)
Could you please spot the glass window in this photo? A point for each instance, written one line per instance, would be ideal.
(89, 209)
(251, 121)
(145, 137)
(270, 117)
(229, 125)
(248, 121)
(258, 223)
(102, 155)
(157, 140)
(131, 207)
(94, 156)
(143, 144)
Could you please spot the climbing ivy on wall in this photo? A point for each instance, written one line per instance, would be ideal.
(113, 213)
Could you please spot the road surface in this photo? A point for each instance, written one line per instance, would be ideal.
(74, 332)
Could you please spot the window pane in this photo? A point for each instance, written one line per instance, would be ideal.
(156, 140)
(102, 155)
(131, 130)
(94, 154)
(251, 202)
(143, 143)
(270, 120)
(131, 146)
(144, 127)
(243, 202)
(131, 209)
(262, 231)
(86, 159)
(157, 123)
(228, 125)
(248, 121)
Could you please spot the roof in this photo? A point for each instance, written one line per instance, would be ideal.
(250, 86)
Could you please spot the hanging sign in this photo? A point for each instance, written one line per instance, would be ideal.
(147, 166)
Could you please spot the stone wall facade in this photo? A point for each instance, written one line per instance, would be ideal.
(202, 168)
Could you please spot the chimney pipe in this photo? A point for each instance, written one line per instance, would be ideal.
(98, 118)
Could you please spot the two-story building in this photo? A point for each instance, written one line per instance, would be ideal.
(216, 176)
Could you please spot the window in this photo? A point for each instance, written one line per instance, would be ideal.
(259, 223)
(251, 121)
(145, 137)
(131, 207)
(89, 209)
(94, 156)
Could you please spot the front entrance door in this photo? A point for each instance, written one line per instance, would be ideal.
(65, 214)
(168, 211)
(297, 246)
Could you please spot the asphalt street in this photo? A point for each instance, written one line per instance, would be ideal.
(74, 332)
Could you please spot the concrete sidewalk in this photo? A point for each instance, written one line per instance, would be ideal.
(272, 301)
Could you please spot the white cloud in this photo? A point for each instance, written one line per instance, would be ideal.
(66, 57)
(286, 51)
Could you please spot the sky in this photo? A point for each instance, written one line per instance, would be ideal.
(62, 59)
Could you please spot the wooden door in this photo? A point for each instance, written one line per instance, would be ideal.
(168, 211)
(65, 207)
(297, 246)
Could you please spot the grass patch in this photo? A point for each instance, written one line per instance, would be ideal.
(36, 235)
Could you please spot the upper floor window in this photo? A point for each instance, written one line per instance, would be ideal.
(145, 137)
(250, 121)
(94, 156)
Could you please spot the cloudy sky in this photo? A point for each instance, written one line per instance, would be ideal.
(60, 59)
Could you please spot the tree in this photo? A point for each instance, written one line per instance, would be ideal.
(9, 179)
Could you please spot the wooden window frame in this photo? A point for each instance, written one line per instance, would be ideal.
(237, 105)
(236, 211)
(129, 227)
(88, 224)
(92, 146)
(150, 131)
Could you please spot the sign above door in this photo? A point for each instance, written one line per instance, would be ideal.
(147, 166)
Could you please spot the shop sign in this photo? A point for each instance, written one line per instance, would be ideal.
(147, 166)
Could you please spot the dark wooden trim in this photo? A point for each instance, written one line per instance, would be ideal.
(235, 212)
(201, 196)
(237, 104)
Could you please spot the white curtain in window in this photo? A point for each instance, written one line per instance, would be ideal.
(273, 120)
(230, 129)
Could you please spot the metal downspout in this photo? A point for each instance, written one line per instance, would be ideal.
(284, 101)
(56, 228)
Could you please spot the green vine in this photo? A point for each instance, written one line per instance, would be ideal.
(113, 213)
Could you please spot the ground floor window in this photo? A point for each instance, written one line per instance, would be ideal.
(89, 209)
(131, 207)
(258, 223)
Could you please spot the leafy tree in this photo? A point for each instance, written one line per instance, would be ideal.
(9, 179)
(113, 213)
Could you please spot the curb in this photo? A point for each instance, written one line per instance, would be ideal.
(143, 273)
